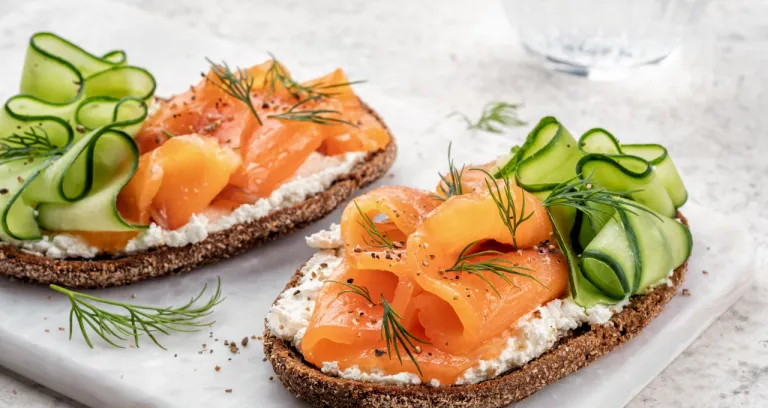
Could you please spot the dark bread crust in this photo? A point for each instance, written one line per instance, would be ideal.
(577, 350)
(219, 245)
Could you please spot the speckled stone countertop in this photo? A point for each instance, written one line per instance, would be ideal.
(707, 105)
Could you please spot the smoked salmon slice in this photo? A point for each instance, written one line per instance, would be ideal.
(185, 174)
(404, 208)
(463, 313)
(204, 151)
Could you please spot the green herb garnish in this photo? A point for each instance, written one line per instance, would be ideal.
(140, 320)
(356, 289)
(396, 335)
(453, 185)
(276, 74)
(504, 199)
(497, 266)
(578, 193)
(495, 116)
(34, 142)
(318, 116)
(392, 331)
(380, 240)
(238, 86)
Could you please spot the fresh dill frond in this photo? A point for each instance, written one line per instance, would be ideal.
(495, 117)
(139, 320)
(356, 289)
(277, 75)
(395, 335)
(504, 199)
(452, 182)
(34, 142)
(392, 331)
(379, 240)
(318, 116)
(237, 85)
(578, 193)
(497, 266)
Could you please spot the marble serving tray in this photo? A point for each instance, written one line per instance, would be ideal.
(34, 322)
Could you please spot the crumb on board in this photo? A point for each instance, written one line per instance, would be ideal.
(705, 272)
(217, 368)
(686, 292)
(228, 390)
(244, 342)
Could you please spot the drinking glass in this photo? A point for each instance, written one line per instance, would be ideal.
(602, 39)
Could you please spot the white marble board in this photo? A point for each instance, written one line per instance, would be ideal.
(32, 344)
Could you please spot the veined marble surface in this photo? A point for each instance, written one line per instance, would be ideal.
(707, 105)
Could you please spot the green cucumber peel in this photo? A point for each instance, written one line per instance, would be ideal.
(627, 173)
(600, 141)
(611, 249)
(639, 247)
(547, 158)
(89, 108)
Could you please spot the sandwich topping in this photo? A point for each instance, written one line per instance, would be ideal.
(488, 272)
(110, 175)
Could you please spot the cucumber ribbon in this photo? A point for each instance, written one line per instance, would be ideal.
(616, 251)
(66, 141)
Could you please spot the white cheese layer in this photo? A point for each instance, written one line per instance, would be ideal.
(314, 176)
(535, 333)
(59, 246)
(289, 317)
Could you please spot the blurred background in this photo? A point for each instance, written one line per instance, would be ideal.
(705, 101)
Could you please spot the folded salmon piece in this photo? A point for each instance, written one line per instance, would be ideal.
(271, 151)
(463, 316)
(404, 208)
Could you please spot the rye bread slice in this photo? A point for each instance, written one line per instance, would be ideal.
(122, 270)
(577, 350)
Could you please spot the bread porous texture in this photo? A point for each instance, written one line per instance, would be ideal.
(578, 349)
(106, 271)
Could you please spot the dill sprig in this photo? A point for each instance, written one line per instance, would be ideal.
(495, 116)
(276, 74)
(238, 86)
(380, 240)
(504, 199)
(453, 186)
(578, 193)
(395, 335)
(318, 116)
(497, 266)
(139, 320)
(28, 144)
(356, 289)
(392, 331)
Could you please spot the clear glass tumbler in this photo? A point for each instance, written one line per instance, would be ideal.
(602, 39)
